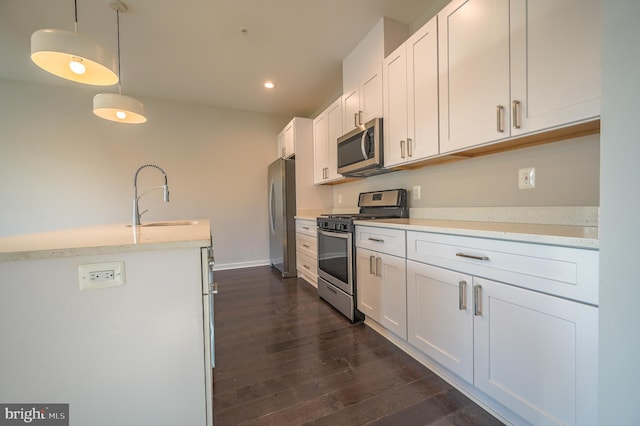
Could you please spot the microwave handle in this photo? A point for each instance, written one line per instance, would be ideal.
(362, 142)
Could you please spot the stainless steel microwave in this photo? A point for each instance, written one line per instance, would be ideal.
(360, 151)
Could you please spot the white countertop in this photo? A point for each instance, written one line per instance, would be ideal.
(105, 239)
(562, 235)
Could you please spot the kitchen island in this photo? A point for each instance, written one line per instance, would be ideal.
(131, 345)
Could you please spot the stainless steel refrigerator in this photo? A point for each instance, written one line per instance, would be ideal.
(282, 209)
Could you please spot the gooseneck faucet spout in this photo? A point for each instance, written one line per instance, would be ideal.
(165, 188)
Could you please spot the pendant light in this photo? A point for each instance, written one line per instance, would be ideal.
(116, 106)
(73, 57)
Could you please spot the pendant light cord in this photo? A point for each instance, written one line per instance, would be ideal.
(75, 14)
(118, 38)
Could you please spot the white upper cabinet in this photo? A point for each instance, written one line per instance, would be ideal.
(286, 141)
(410, 93)
(510, 67)
(362, 73)
(555, 63)
(474, 72)
(327, 128)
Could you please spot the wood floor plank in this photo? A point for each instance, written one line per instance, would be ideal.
(285, 357)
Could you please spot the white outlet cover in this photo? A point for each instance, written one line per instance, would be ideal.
(527, 178)
(417, 192)
(85, 273)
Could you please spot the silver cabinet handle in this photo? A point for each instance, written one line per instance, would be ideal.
(355, 119)
(372, 265)
(305, 245)
(213, 289)
(306, 267)
(359, 118)
(472, 256)
(515, 105)
(462, 295)
(500, 118)
(409, 148)
(401, 149)
(477, 300)
(377, 240)
(378, 267)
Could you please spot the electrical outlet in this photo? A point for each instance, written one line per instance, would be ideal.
(417, 192)
(101, 275)
(527, 178)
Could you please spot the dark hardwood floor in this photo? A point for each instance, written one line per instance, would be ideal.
(285, 357)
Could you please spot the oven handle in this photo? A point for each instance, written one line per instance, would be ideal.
(337, 234)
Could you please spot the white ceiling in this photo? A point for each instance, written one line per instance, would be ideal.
(193, 50)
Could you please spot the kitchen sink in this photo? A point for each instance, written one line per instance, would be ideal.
(169, 223)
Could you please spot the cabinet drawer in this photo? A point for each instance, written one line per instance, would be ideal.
(307, 245)
(560, 271)
(383, 240)
(308, 227)
(307, 265)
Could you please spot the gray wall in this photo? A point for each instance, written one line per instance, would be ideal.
(566, 175)
(62, 167)
(619, 225)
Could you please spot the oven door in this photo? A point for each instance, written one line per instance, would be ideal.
(335, 259)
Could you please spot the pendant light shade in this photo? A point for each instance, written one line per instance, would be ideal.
(120, 108)
(116, 106)
(73, 57)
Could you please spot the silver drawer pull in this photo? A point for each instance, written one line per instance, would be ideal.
(305, 227)
(372, 265)
(377, 240)
(462, 295)
(305, 245)
(471, 256)
(306, 267)
(378, 266)
(477, 300)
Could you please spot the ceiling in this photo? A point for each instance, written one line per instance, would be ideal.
(194, 50)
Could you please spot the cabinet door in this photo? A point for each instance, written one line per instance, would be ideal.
(393, 277)
(395, 107)
(371, 96)
(555, 62)
(281, 144)
(537, 354)
(350, 110)
(334, 118)
(368, 284)
(473, 59)
(289, 140)
(320, 148)
(422, 92)
(440, 314)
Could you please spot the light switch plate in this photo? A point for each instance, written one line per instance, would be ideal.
(417, 192)
(101, 275)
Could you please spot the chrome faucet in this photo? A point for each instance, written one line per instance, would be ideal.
(136, 212)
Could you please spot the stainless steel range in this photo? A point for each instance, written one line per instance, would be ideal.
(336, 248)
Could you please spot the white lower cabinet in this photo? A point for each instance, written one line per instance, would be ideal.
(517, 342)
(514, 324)
(536, 354)
(440, 316)
(382, 289)
(307, 250)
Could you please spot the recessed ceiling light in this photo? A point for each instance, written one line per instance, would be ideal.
(269, 85)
